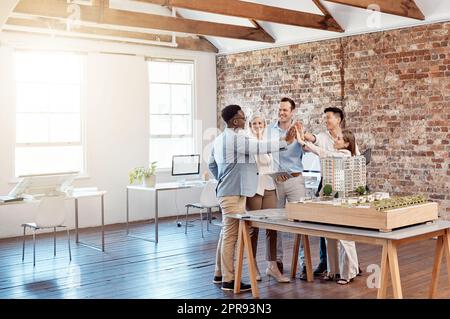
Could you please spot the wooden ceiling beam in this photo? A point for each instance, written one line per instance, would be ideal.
(50, 25)
(258, 26)
(403, 8)
(255, 11)
(325, 12)
(201, 37)
(6, 8)
(99, 14)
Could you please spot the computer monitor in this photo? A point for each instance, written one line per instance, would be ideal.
(185, 165)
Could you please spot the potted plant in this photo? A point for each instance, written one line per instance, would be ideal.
(145, 175)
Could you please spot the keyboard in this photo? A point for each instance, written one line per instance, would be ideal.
(194, 183)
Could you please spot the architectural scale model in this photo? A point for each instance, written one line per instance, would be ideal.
(344, 174)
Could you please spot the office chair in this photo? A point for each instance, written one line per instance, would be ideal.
(51, 214)
(208, 201)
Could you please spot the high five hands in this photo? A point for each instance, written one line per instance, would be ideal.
(291, 135)
(300, 134)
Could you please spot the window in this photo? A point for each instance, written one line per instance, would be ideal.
(49, 134)
(171, 110)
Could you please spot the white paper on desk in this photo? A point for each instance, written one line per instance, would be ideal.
(85, 190)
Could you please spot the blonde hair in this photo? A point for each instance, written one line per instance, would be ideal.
(255, 116)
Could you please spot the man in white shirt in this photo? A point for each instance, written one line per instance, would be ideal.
(335, 123)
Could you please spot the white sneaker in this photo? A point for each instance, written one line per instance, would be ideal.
(277, 275)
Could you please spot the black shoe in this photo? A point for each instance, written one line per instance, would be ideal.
(320, 270)
(280, 266)
(217, 280)
(303, 275)
(229, 286)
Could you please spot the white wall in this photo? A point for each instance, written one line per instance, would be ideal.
(117, 126)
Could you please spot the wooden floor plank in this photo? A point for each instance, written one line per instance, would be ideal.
(181, 266)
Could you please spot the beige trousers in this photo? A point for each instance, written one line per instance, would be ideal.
(226, 246)
(257, 202)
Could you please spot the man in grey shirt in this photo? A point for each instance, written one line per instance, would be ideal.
(232, 163)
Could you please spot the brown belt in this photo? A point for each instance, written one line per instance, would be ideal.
(296, 174)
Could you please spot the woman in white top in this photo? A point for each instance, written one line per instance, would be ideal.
(347, 266)
(264, 198)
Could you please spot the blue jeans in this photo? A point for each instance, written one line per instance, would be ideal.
(323, 251)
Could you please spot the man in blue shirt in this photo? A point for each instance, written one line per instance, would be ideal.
(290, 187)
(232, 163)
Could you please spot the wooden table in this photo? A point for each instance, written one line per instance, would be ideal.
(276, 219)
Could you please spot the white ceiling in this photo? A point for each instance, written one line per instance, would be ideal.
(353, 20)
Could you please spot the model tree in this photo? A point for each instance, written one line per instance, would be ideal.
(327, 190)
(360, 190)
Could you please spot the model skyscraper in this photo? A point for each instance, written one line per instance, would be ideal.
(344, 174)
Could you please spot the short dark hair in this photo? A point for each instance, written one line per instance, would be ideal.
(337, 111)
(230, 111)
(291, 101)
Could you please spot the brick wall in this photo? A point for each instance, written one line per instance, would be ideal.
(394, 87)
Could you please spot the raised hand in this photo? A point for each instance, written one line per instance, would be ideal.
(291, 135)
(300, 136)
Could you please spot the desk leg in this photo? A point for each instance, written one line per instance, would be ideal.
(447, 251)
(295, 256)
(128, 210)
(251, 260)
(395, 271)
(306, 247)
(382, 290)
(437, 266)
(76, 221)
(103, 222)
(240, 259)
(156, 220)
(156, 216)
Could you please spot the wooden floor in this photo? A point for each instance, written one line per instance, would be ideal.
(180, 266)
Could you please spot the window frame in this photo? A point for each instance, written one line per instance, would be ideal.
(193, 109)
(82, 113)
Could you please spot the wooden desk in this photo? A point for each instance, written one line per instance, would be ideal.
(275, 219)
